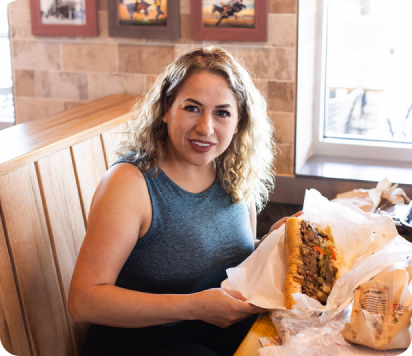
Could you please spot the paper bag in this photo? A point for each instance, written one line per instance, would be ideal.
(369, 200)
(382, 310)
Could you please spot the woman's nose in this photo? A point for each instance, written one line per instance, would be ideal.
(205, 124)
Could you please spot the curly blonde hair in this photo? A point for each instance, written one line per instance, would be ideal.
(245, 169)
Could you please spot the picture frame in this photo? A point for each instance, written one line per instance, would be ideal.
(150, 22)
(244, 22)
(64, 18)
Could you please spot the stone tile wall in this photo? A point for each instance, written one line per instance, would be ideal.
(51, 74)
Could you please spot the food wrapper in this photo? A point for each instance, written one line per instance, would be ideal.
(382, 310)
(307, 333)
(369, 200)
(366, 244)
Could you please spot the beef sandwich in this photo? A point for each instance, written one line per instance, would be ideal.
(311, 261)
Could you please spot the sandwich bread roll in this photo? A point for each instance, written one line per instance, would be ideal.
(311, 261)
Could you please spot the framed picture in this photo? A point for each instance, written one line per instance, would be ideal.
(230, 20)
(64, 17)
(154, 19)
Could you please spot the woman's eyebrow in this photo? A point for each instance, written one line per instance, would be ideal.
(224, 106)
(193, 101)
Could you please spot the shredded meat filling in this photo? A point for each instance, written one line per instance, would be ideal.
(316, 274)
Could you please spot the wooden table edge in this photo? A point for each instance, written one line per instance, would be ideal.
(262, 327)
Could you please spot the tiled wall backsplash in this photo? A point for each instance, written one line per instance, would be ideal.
(52, 74)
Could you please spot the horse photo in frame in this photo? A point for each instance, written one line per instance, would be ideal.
(64, 18)
(231, 20)
(153, 19)
(234, 14)
(133, 13)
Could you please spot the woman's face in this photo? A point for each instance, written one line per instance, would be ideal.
(202, 120)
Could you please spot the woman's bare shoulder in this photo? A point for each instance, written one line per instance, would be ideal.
(124, 172)
(123, 179)
(122, 195)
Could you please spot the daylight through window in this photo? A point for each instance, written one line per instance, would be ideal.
(368, 92)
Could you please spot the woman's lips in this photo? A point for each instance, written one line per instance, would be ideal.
(201, 146)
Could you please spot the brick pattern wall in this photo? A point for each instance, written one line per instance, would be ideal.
(52, 74)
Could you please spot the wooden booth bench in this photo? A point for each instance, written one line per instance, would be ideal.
(49, 170)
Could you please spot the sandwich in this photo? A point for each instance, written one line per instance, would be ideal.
(311, 261)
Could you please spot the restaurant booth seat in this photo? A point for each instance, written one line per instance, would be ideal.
(49, 170)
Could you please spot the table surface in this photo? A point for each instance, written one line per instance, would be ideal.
(263, 327)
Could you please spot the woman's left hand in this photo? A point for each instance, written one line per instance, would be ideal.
(279, 223)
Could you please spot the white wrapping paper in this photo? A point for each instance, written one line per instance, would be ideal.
(366, 243)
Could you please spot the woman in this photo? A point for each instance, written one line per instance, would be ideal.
(161, 236)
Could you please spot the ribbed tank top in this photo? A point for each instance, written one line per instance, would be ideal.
(192, 239)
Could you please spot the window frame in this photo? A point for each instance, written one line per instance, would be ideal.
(335, 147)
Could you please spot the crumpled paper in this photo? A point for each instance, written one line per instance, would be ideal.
(369, 200)
(367, 244)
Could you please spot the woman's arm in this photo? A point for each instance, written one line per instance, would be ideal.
(119, 215)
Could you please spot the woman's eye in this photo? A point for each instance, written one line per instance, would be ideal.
(191, 108)
(223, 113)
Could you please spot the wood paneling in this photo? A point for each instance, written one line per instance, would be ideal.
(88, 158)
(35, 270)
(26, 143)
(12, 330)
(65, 220)
(109, 139)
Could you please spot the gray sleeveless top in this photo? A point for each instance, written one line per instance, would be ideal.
(192, 239)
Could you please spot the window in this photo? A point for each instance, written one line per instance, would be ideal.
(368, 70)
(354, 86)
(6, 95)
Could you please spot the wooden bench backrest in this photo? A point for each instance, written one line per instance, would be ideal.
(49, 170)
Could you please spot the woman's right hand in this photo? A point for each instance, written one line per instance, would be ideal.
(222, 307)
